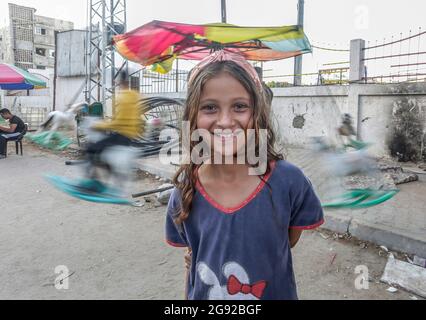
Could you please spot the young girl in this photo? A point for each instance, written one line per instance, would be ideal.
(238, 227)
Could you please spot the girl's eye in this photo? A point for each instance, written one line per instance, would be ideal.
(208, 108)
(240, 107)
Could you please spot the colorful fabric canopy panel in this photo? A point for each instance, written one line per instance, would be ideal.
(14, 78)
(158, 43)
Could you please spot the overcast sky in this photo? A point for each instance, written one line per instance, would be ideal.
(329, 23)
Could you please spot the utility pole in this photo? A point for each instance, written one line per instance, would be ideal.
(106, 19)
(298, 60)
(223, 6)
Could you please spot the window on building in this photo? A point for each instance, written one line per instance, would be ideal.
(22, 32)
(41, 67)
(24, 57)
(51, 53)
(40, 31)
(41, 52)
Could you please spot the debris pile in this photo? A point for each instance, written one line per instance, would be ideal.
(409, 276)
(387, 178)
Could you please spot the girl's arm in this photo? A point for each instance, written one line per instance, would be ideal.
(294, 236)
(188, 261)
(188, 258)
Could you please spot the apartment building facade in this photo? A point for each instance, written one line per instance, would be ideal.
(32, 38)
(5, 47)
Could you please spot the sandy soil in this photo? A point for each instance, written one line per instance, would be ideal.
(118, 252)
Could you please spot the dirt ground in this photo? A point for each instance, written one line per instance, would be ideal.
(118, 252)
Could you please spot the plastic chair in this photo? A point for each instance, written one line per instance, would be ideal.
(18, 141)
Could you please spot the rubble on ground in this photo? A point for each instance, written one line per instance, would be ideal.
(163, 197)
(397, 173)
(405, 275)
(387, 178)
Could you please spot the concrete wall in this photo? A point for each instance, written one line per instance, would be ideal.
(71, 50)
(392, 117)
(47, 41)
(21, 21)
(5, 46)
(69, 89)
(26, 41)
(304, 112)
(29, 101)
(47, 60)
(71, 68)
(46, 75)
(32, 110)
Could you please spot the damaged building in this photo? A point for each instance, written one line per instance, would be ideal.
(31, 38)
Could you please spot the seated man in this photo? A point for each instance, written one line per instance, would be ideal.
(16, 127)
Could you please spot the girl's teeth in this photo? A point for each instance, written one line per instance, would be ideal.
(225, 135)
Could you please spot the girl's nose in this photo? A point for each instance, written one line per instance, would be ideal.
(225, 120)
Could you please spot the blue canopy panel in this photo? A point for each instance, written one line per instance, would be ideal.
(16, 86)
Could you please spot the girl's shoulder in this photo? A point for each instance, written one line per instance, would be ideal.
(286, 167)
(175, 196)
(288, 173)
(175, 202)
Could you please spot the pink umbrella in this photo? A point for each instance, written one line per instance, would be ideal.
(14, 78)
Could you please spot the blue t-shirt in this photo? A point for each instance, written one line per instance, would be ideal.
(244, 252)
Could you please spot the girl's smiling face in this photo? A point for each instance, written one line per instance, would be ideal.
(226, 112)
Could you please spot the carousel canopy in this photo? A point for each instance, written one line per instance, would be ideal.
(158, 43)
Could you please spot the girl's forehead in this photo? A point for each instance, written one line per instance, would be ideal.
(224, 84)
(224, 74)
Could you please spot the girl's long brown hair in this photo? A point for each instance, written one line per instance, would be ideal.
(185, 178)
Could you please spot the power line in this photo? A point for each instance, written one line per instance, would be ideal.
(393, 42)
(330, 49)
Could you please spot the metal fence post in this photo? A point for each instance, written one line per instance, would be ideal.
(177, 75)
(357, 65)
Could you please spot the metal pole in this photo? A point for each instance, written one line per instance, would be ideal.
(177, 75)
(98, 68)
(125, 30)
(103, 59)
(88, 53)
(223, 7)
(113, 73)
(55, 72)
(104, 16)
(298, 59)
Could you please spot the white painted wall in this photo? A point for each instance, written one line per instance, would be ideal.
(29, 101)
(320, 107)
(371, 106)
(70, 54)
(67, 89)
(31, 109)
(46, 75)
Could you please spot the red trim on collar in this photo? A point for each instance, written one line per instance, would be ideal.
(259, 188)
